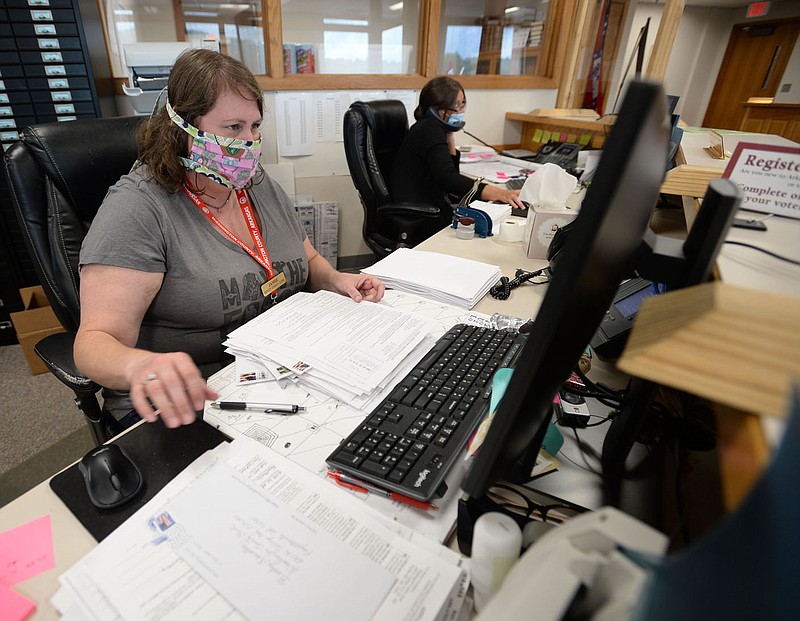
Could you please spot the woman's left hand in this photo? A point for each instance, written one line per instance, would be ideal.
(359, 286)
(495, 193)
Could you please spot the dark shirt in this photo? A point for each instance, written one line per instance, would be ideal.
(425, 171)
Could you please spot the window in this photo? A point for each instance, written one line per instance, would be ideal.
(350, 36)
(507, 39)
(311, 44)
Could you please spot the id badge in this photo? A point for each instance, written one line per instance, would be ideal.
(273, 284)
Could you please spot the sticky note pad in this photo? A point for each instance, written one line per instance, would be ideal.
(563, 137)
(26, 551)
(585, 138)
(571, 138)
(14, 606)
(537, 135)
(547, 136)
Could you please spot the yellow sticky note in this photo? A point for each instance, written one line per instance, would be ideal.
(571, 138)
(537, 135)
(585, 138)
(546, 136)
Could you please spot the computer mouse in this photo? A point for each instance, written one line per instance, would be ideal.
(112, 479)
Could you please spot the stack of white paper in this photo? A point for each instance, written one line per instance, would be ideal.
(334, 346)
(276, 542)
(454, 280)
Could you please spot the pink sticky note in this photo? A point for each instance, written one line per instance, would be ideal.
(15, 607)
(26, 551)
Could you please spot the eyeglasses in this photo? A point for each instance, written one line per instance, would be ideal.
(460, 107)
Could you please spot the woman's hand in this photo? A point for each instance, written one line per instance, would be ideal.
(496, 193)
(358, 286)
(170, 386)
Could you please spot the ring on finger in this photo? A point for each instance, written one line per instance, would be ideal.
(151, 377)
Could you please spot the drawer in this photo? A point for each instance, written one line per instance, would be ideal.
(51, 56)
(59, 109)
(14, 97)
(8, 58)
(41, 15)
(38, 4)
(17, 110)
(55, 83)
(48, 43)
(44, 29)
(11, 71)
(14, 84)
(60, 96)
(52, 117)
(16, 122)
(55, 70)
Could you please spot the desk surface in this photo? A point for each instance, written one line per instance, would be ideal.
(72, 541)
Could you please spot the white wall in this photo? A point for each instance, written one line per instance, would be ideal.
(325, 176)
(699, 48)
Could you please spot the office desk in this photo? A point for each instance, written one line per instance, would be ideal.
(71, 541)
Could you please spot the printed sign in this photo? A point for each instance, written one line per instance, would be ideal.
(769, 176)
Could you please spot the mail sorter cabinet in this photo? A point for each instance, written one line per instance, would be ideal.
(45, 76)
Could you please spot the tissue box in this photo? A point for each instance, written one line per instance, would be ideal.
(32, 324)
(542, 224)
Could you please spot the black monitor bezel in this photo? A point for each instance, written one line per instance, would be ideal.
(601, 251)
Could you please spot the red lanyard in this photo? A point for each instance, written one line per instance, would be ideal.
(263, 256)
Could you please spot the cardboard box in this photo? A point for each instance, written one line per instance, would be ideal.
(32, 324)
(541, 226)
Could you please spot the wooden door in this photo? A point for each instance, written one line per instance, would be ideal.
(753, 66)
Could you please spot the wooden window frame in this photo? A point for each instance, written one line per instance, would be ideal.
(557, 38)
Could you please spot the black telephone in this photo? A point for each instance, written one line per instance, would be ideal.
(564, 154)
(450, 127)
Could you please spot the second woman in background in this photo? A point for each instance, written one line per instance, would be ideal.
(426, 169)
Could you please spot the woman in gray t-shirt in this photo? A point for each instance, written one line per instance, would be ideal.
(188, 246)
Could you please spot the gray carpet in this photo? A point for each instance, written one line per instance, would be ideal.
(41, 429)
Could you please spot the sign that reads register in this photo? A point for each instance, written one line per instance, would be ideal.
(769, 176)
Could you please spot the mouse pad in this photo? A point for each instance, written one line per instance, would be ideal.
(160, 454)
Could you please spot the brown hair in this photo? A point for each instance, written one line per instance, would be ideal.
(440, 92)
(197, 79)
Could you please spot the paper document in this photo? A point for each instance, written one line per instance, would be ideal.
(454, 280)
(344, 349)
(245, 533)
(308, 437)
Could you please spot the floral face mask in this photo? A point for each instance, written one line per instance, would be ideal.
(228, 161)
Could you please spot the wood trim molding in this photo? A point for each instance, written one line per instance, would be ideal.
(665, 37)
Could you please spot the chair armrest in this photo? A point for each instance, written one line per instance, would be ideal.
(397, 209)
(56, 352)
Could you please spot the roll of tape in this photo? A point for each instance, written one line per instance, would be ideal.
(511, 230)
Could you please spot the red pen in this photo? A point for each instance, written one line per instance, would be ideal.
(366, 488)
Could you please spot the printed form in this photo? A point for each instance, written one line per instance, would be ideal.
(244, 532)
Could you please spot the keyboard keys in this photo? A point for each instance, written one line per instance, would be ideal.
(410, 441)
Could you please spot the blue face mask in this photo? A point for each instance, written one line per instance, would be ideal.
(457, 120)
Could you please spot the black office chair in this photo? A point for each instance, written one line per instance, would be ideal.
(58, 175)
(373, 133)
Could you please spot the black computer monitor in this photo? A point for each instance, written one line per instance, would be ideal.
(602, 248)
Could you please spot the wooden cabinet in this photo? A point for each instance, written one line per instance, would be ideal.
(771, 118)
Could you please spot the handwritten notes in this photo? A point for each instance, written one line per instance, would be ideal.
(25, 552)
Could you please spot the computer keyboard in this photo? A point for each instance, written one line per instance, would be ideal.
(410, 441)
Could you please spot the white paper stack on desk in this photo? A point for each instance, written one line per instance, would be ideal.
(330, 344)
(454, 280)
